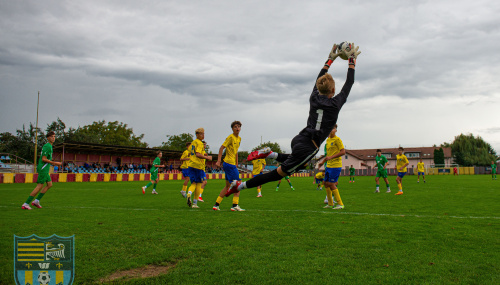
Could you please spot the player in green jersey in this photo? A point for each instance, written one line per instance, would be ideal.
(154, 173)
(381, 163)
(352, 173)
(43, 169)
(287, 179)
(493, 170)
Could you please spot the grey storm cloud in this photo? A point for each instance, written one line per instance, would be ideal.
(240, 59)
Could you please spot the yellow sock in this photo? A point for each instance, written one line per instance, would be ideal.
(400, 186)
(337, 197)
(219, 199)
(236, 200)
(192, 188)
(258, 190)
(201, 191)
(184, 187)
(329, 196)
(197, 191)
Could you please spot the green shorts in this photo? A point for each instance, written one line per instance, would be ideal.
(43, 178)
(154, 176)
(382, 173)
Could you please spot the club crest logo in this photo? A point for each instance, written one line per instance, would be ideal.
(44, 260)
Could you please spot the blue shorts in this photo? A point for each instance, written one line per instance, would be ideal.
(196, 175)
(255, 175)
(319, 181)
(231, 171)
(401, 174)
(332, 174)
(420, 173)
(185, 172)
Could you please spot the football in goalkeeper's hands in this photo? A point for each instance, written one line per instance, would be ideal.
(343, 48)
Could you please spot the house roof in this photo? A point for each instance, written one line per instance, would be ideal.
(425, 152)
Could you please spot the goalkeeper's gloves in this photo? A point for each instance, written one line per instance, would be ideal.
(353, 54)
(332, 56)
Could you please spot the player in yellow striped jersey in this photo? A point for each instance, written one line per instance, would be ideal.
(184, 168)
(258, 166)
(401, 163)
(421, 170)
(318, 180)
(231, 145)
(196, 168)
(334, 152)
(204, 183)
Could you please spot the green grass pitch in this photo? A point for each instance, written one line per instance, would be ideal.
(445, 231)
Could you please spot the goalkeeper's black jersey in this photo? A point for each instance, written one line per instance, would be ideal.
(323, 111)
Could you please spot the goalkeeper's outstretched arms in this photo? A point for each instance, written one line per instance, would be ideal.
(352, 56)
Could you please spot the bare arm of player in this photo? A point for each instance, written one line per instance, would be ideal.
(199, 155)
(219, 157)
(46, 160)
(340, 153)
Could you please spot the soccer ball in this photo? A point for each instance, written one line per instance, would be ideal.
(343, 48)
(44, 277)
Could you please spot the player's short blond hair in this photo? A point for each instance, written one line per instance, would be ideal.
(325, 84)
(199, 130)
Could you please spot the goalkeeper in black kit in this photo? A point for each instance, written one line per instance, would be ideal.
(323, 113)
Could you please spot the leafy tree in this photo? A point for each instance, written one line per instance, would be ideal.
(112, 133)
(178, 142)
(469, 151)
(23, 143)
(275, 147)
(439, 156)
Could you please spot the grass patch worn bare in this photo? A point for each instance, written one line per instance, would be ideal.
(150, 270)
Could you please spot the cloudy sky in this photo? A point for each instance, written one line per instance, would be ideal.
(429, 70)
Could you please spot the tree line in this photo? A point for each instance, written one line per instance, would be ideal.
(467, 150)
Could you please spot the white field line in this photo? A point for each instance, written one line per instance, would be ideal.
(331, 212)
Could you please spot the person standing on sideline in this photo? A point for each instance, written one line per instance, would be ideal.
(43, 170)
(493, 170)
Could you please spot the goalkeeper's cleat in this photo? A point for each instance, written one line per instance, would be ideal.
(260, 195)
(200, 199)
(144, 190)
(388, 191)
(233, 188)
(327, 206)
(36, 203)
(154, 192)
(25, 207)
(261, 153)
(399, 193)
(277, 188)
(350, 181)
(215, 208)
(189, 202)
(293, 189)
(195, 206)
(377, 191)
(338, 207)
(183, 193)
(237, 209)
